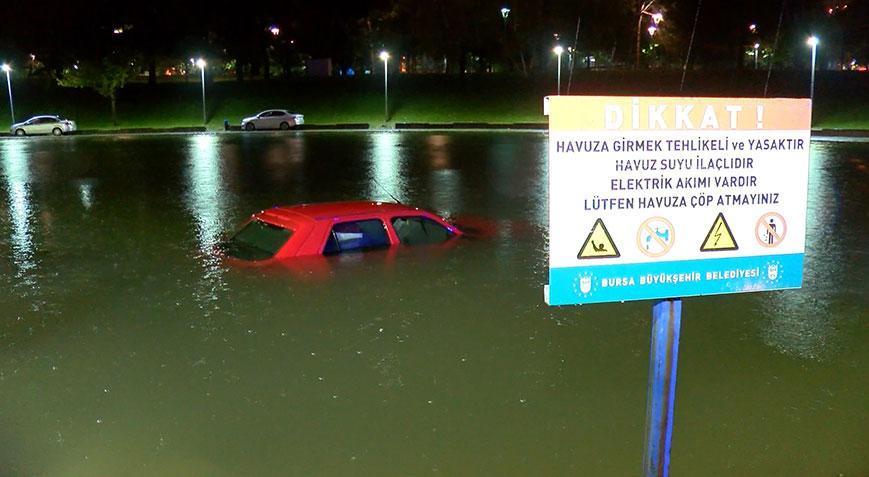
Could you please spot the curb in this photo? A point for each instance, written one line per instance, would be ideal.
(840, 133)
(525, 126)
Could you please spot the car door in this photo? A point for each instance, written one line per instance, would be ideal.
(356, 236)
(282, 117)
(32, 126)
(43, 126)
(271, 120)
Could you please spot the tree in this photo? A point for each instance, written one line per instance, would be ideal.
(106, 77)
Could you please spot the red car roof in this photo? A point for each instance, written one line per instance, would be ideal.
(332, 210)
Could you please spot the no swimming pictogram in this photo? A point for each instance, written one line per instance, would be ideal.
(598, 244)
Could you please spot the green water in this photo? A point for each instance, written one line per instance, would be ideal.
(128, 348)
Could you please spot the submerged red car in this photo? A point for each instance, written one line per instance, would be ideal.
(334, 228)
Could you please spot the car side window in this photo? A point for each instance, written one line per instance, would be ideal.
(354, 236)
(419, 231)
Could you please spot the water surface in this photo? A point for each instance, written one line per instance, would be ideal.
(128, 348)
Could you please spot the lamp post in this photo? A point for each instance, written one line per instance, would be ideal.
(558, 50)
(384, 56)
(7, 69)
(505, 12)
(200, 63)
(756, 47)
(813, 42)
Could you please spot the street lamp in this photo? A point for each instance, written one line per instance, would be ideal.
(756, 47)
(7, 69)
(384, 56)
(505, 12)
(558, 50)
(813, 42)
(200, 63)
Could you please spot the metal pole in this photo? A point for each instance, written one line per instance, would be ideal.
(755, 58)
(385, 90)
(559, 74)
(9, 87)
(661, 398)
(204, 118)
(812, 87)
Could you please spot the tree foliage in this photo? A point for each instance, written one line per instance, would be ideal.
(106, 77)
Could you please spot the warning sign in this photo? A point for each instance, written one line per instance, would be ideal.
(662, 173)
(598, 244)
(719, 238)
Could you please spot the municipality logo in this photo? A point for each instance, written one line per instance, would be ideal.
(583, 284)
(772, 270)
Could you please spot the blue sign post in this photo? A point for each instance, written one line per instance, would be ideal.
(661, 396)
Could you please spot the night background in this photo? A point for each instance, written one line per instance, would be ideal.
(277, 39)
(145, 145)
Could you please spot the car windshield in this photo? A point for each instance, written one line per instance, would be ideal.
(258, 240)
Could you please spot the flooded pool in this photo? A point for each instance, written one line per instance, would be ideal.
(128, 348)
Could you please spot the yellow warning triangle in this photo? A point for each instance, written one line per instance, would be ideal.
(719, 237)
(599, 244)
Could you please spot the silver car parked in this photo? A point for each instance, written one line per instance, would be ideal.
(273, 119)
(54, 125)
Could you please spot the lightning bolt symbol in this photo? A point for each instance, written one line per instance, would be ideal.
(717, 234)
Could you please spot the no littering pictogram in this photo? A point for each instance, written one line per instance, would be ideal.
(771, 229)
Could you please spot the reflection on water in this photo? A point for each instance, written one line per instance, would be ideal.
(445, 182)
(207, 200)
(803, 324)
(16, 174)
(86, 193)
(387, 181)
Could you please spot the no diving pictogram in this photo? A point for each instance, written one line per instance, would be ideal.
(771, 229)
(656, 236)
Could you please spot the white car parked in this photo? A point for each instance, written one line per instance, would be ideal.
(273, 119)
(54, 125)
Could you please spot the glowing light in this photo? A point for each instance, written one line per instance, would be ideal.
(505, 12)
(384, 55)
(274, 30)
(16, 174)
(652, 29)
(756, 46)
(752, 27)
(200, 63)
(558, 50)
(6, 68)
(657, 17)
(812, 41)
(208, 201)
(385, 167)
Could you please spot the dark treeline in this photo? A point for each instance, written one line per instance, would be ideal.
(270, 38)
